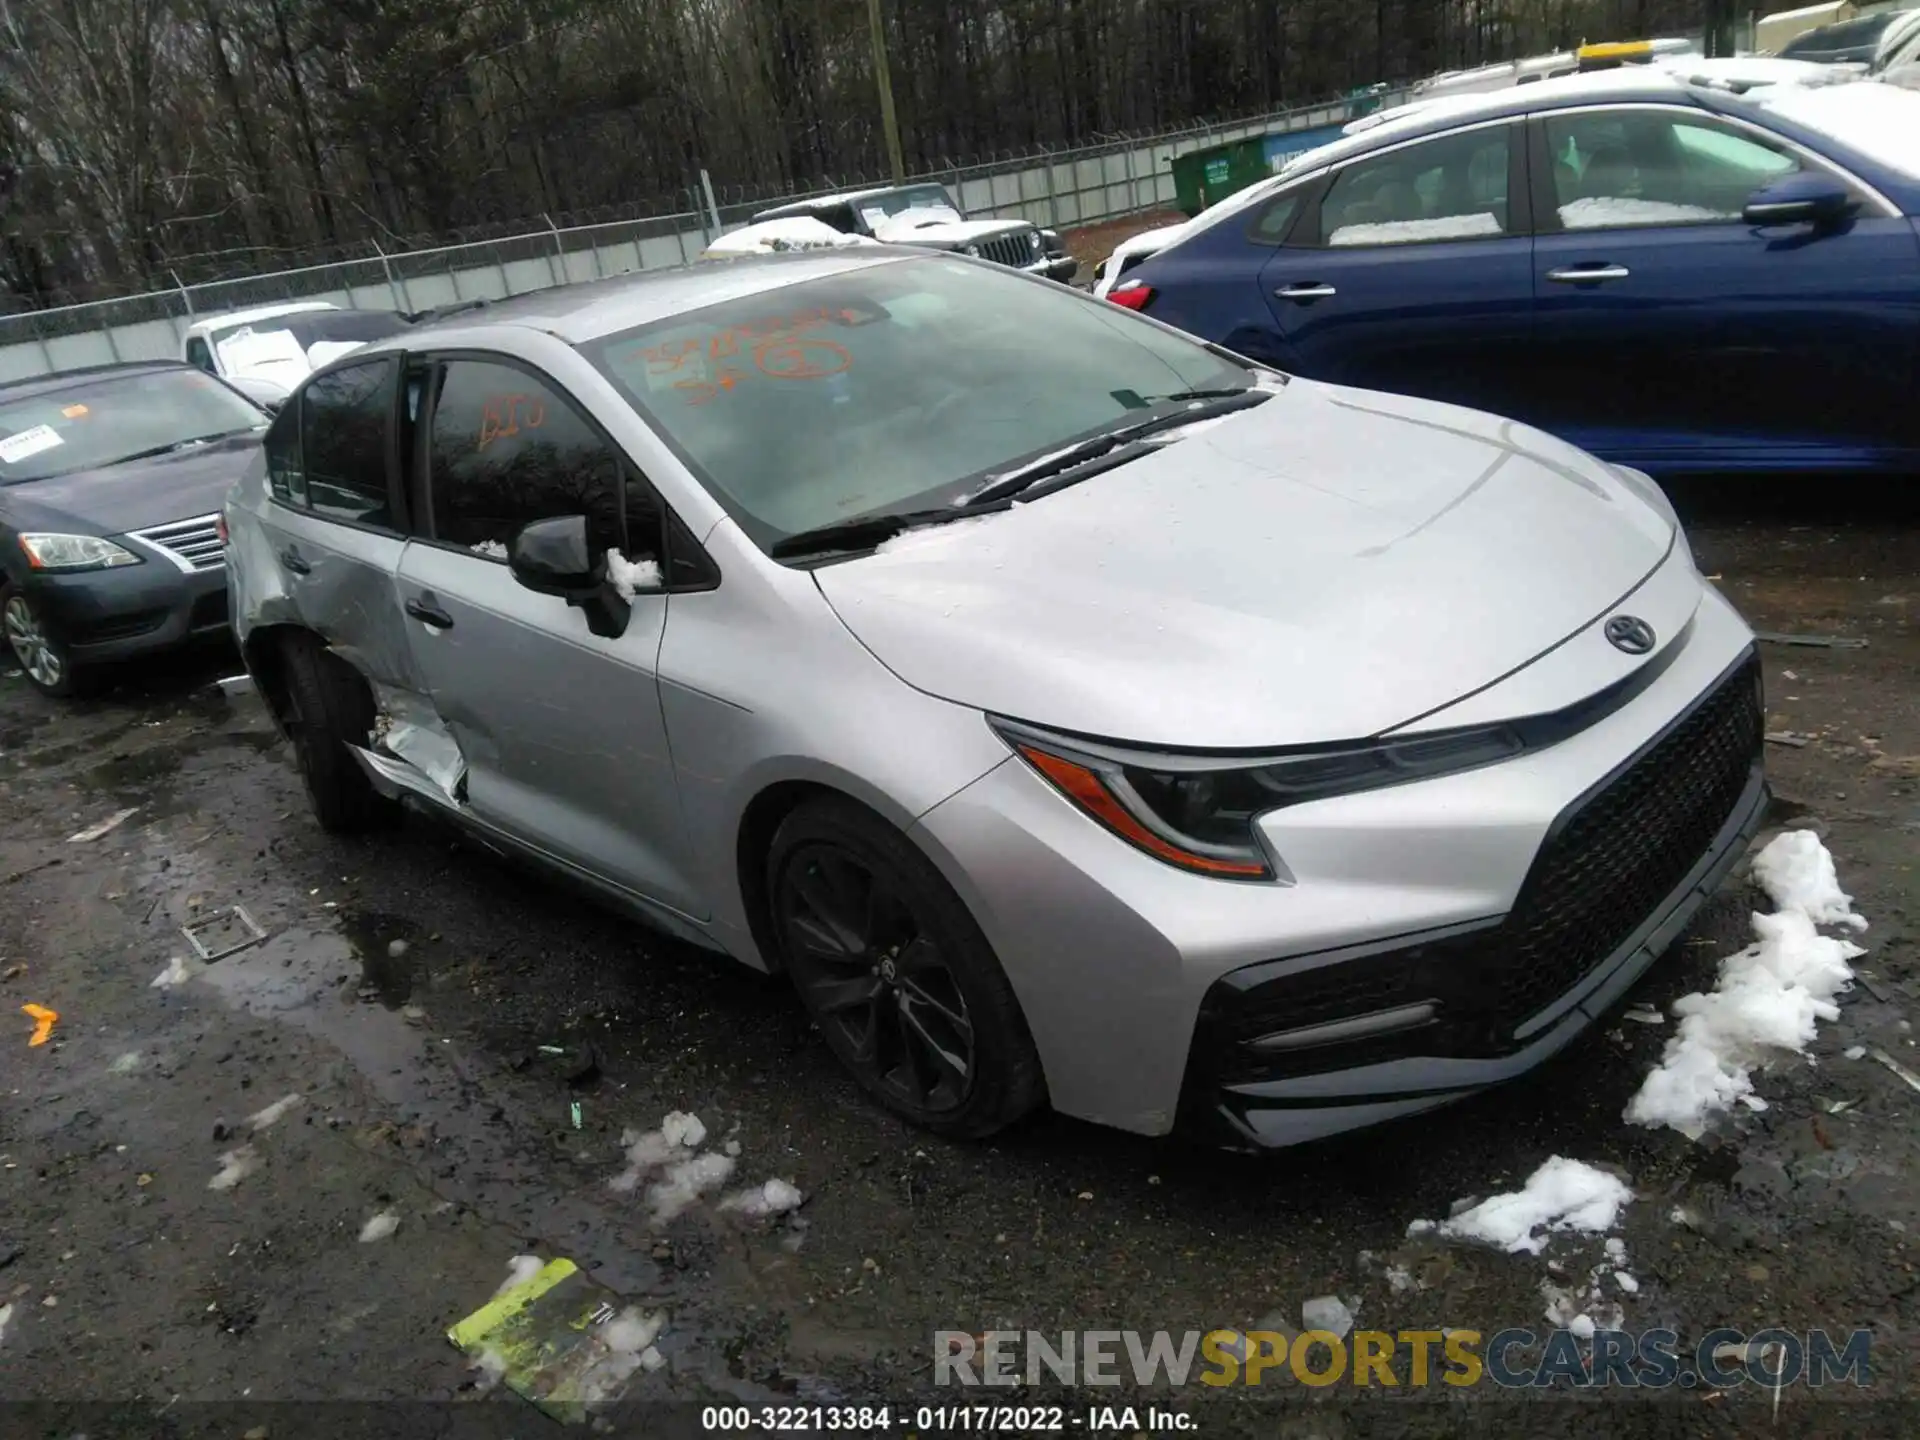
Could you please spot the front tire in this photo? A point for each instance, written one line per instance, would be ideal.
(45, 661)
(329, 707)
(897, 975)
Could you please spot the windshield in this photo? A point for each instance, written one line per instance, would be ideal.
(97, 422)
(894, 202)
(894, 386)
(1845, 36)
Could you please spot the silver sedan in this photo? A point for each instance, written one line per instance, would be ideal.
(1077, 713)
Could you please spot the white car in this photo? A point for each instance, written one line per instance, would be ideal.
(263, 353)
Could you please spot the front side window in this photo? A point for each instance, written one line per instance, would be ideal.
(96, 424)
(894, 385)
(507, 450)
(344, 416)
(284, 477)
(1452, 188)
(1619, 168)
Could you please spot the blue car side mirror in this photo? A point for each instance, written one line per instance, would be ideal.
(1798, 200)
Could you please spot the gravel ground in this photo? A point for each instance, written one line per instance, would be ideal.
(408, 985)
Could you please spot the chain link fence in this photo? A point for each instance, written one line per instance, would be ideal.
(1110, 179)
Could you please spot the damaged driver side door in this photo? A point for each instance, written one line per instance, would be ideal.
(559, 729)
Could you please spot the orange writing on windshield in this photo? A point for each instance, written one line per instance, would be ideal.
(780, 347)
(504, 415)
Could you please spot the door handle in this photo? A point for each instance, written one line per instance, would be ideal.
(1588, 274)
(428, 613)
(295, 562)
(1306, 292)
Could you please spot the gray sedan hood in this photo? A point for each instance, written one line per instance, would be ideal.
(117, 498)
(1325, 566)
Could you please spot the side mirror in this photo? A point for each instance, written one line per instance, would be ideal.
(1800, 199)
(554, 557)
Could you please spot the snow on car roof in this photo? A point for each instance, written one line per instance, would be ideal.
(788, 232)
(231, 318)
(1881, 122)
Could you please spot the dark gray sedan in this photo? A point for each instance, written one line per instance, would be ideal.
(111, 481)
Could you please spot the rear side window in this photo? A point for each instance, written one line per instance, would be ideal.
(507, 450)
(1277, 219)
(1452, 188)
(344, 416)
(198, 354)
(284, 478)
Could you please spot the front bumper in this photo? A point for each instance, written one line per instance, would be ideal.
(1145, 987)
(107, 615)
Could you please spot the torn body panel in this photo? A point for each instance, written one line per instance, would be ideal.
(413, 749)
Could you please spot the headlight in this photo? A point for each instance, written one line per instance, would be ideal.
(1198, 811)
(970, 249)
(74, 552)
(1033, 241)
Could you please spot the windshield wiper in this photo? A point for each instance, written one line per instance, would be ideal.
(1214, 403)
(172, 446)
(863, 532)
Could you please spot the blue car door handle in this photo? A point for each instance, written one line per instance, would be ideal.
(1306, 292)
(1588, 274)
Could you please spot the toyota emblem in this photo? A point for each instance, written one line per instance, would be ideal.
(1630, 633)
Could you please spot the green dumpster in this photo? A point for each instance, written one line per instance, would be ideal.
(1200, 177)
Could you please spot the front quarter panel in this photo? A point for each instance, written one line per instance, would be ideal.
(762, 685)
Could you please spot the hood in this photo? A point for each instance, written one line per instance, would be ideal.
(940, 227)
(118, 498)
(1326, 566)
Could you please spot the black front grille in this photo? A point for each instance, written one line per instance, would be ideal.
(1609, 864)
(208, 610)
(1016, 249)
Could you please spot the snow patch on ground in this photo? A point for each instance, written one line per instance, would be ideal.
(379, 1227)
(776, 1197)
(1769, 998)
(1326, 1312)
(627, 1340)
(492, 1366)
(631, 578)
(685, 1182)
(520, 1269)
(679, 1132)
(179, 970)
(235, 1166)
(125, 1064)
(262, 1119)
(1561, 1195)
(6, 1314)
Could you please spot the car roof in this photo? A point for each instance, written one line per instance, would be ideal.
(595, 308)
(844, 197)
(85, 375)
(209, 323)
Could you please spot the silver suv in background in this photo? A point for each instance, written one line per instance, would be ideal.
(1074, 712)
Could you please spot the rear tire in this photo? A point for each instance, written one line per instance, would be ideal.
(897, 975)
(329, 707)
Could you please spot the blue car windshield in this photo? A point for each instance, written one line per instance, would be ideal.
(892, 385)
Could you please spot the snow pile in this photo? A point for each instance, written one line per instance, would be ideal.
(235, 1166)
(1598, 212)
(112, 822)
(492, 549)
(1561, 1195)
(924, 535)
(795, 232)
(1327, 1312)
(520, 1269)
(685, 1182)
(625, 1344)
(179, 970)
(261, 1119)
(1768, 999)
(687, 1176)
(631, 577)
(1408, 232)
(776, 1197)
(379, 1227)
(6, 1314)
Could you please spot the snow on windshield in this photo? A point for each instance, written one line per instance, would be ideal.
(1882, 122)
(907, 221)
(1601, 212)
(1405, 232)
(249, 349)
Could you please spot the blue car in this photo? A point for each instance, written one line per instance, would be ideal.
(1671, 275)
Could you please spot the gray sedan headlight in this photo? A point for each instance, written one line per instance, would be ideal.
(1198, 811)
(74, 552)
